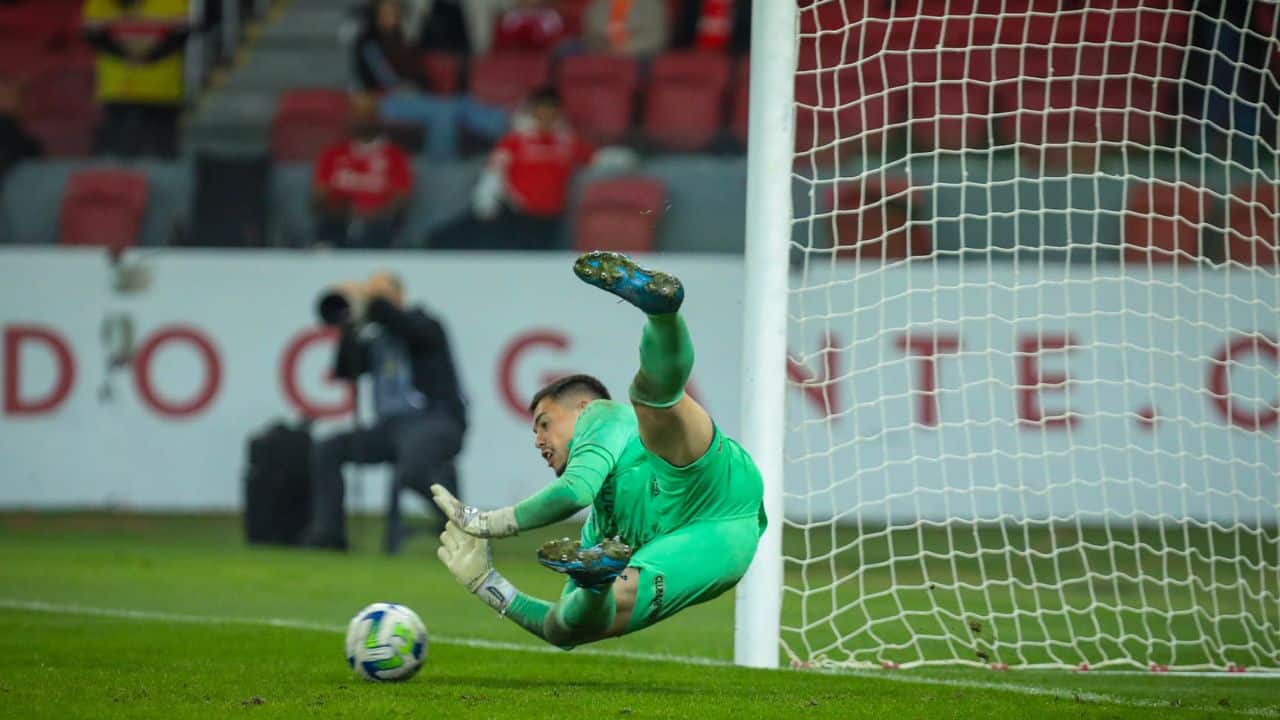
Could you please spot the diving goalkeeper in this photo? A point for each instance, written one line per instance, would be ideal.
(676, 507)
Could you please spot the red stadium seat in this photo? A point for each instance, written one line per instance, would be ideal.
(928, 24)
(506, 79)
(848, 110)
(44, 22)
(572, 12)
(443, 72)
(950, 100)
(58, 109)
(599, 93)
(872, 221)
(1253, 226)
(1162, 223)
(307, 121)
(1037, 22)
(103, 208)
(23, 58)
(619, 214)
(842, 75)
(740, 102)
(684, 100)
(832, 33)
(1085, 94)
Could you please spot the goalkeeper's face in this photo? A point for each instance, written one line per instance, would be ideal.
(553, 429)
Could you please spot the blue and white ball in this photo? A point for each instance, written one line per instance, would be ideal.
(386, 642)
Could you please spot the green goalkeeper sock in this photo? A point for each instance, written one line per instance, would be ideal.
(529, 613)
(666, 359)
(580, 616)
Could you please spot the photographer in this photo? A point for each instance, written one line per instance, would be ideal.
(421, 416)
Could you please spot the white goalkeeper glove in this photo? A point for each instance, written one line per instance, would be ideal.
(471, 563)
(473, 521)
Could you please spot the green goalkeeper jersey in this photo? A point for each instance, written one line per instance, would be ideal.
(643, 496)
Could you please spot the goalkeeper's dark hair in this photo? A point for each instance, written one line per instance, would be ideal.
(571, 385)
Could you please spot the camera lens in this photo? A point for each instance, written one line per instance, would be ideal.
(333, 308)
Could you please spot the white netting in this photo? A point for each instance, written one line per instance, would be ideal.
(1032, 416)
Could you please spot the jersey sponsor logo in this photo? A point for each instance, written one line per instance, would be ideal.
(659, 587)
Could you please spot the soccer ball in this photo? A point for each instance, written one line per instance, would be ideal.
(386, 642)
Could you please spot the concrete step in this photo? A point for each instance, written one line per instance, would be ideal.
(274, 70)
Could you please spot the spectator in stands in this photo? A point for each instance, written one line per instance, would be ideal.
(421, 414)
(529, 26)
(520, 200)
(1230, 80)
(139, 45)
(361, 186)
(15, 144)
(626, 27)
(456, 26)
(714, 26)
(387, 64)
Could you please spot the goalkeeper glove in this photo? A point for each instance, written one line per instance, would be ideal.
(470, 561)
(473, 521)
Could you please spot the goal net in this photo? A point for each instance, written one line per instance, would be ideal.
(1034, 314)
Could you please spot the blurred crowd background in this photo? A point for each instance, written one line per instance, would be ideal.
(1127, 129)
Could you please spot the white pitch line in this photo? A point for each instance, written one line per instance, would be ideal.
(905, 676)
(40, 606)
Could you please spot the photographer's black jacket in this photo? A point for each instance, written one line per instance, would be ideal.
(432, 361)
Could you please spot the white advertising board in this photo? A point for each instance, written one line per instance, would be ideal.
(946, 391)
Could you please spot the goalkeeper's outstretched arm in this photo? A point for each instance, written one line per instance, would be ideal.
(559, 500)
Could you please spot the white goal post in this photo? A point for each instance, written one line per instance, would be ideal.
(1011, 363)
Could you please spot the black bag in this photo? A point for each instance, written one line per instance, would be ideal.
(277, 485)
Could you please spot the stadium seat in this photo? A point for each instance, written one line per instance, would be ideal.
(950, 97)
(103, 208)
(443, 72)
(48, 23)
(1162, 223)
(619, 214)
(1253, 228)
(58, 109)
(872, 221)
(1085, 94)
(926, 24)
(21, 58)
(848, 110)
(740, 101)
(833, 33)
(684, 100)
(572, 12)
(599, 93)
(506, 79)
(306, 121)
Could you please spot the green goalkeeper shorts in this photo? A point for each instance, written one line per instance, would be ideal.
(710, 516)
(692, 565)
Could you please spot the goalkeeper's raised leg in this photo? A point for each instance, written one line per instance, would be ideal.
(672, 425)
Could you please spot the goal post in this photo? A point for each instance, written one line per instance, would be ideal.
(770, 133)
(1011, 365)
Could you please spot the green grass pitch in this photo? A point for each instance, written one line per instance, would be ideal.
(107, 616)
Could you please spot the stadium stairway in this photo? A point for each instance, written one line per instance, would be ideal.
(295, 45)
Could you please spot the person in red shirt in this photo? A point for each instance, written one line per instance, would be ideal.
(530, 26)
(362, 185)
(716, 26)
(521, 197)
